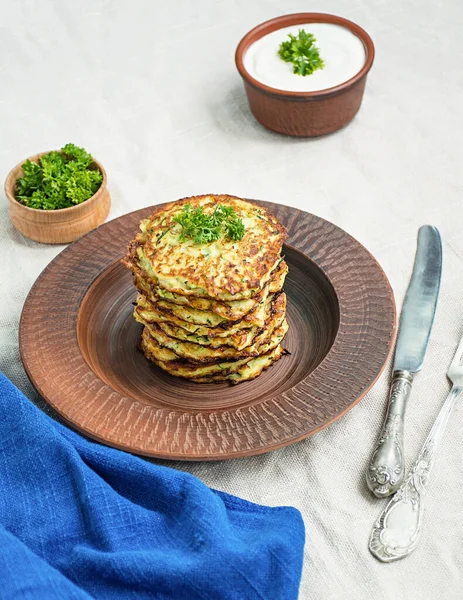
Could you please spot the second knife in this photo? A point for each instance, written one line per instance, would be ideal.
(387, 468)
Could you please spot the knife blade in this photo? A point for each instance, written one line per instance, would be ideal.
(387, 467)
(420, 302)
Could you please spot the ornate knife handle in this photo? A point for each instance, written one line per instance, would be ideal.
(387, 468)
(397, 531)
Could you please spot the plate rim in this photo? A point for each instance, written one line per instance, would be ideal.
(38, 378)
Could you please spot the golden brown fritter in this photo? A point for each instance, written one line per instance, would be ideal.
(198, 353)
(232, 310)
(223, 269)
(169, 361)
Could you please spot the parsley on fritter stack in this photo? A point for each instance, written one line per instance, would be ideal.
(209, 273)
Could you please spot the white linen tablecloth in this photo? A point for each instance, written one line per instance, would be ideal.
(150, 88)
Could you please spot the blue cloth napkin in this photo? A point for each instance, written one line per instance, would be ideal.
(79, 520)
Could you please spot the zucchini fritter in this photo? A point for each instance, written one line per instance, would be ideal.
(211, 310)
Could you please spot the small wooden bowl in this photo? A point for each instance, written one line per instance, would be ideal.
(304, 114)
(57, 226)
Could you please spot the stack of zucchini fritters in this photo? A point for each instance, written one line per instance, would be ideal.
(212, 311)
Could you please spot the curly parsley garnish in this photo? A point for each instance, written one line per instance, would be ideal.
(203, 228)
(58, 179)
(300, 51)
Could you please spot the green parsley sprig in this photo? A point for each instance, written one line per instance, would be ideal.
(59, 179)
(301, 51)
(202, 227)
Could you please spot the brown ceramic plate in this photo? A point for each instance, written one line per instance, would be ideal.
(78, 345)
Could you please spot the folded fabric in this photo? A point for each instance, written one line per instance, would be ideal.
(79, 520)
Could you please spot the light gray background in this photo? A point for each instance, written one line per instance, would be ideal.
(150, 88)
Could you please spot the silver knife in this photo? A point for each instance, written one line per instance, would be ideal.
(387, 467)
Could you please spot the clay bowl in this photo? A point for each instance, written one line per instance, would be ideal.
(57, 226)
(78, 342)
(304, 114)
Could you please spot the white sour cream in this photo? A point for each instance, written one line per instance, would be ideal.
(342, 52)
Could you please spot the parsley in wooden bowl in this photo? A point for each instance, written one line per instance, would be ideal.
(58, 196)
